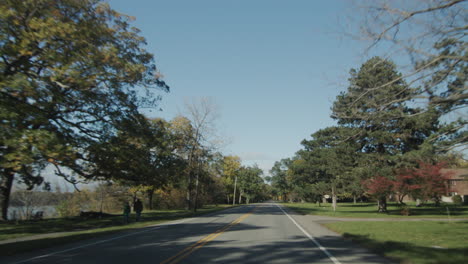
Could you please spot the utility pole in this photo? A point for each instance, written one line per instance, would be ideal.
(234, 198)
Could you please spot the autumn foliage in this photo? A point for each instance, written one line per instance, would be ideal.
(425, 182)
(379, 186)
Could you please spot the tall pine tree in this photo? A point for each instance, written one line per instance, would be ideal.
(377, 104)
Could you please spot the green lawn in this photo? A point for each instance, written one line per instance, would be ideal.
(411, 242)
(369, 210)
(72, 229)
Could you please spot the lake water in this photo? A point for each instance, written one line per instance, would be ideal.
(16, 212)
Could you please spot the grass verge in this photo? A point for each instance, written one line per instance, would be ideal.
(369, 210)
(410, 242)
(58, 231)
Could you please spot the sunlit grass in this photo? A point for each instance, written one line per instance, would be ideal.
(411, 242)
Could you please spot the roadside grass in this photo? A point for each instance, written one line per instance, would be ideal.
(57, 231)
(410, 242)
(369, 210)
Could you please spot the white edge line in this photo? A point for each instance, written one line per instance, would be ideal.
(330, 256)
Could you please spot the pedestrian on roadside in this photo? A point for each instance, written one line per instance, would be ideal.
(138, 207)
(126, 212)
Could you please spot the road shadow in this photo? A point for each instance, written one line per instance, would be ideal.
(77, 223)
(297, 249)
(165, 240)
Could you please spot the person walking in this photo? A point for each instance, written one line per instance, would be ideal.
(138, 207)
(126, 212)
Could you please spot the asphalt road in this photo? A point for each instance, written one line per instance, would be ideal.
(259, 233)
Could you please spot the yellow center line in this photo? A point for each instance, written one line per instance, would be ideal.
(200, 243)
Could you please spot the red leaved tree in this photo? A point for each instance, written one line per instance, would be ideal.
(404, 185)
(380, 187)
(425, 183)
(428, 182)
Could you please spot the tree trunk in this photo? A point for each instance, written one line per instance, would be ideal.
(150, 198)
(234, 196)
(334, 197)
(324, 200)
(382, 204)
(102, 203)
(228, 200)
(354, 199)
(196, 193)
(400, 199)
(5, 191)
(247, 200)
(240, 197)
(188, 198)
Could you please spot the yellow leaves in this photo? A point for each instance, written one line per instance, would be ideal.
(231, 165)
(25, 52)
(102, 8)
(53, 161)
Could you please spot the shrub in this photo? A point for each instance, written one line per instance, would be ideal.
(65, 209)
(457, 199)
(405, 210)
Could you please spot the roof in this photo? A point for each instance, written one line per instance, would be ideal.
(456, 173)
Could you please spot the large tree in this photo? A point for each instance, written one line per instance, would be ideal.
(250, 183)
(279, 178)
(201, 141)
(229, 173)
(387, 127)
(69, 71)
(331, 155)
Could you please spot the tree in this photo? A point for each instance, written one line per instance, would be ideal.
(69, 71)
(433, 35)
(201, 135)
(279, 178)
(380, 187)
(329, 157)
(424, 183)
(145, 157)
(250, 183)
(27, 201)
(387, 129)
(230, 170)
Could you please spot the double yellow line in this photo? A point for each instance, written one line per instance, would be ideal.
(189, 250)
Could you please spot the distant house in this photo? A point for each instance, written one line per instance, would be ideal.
(457, 183)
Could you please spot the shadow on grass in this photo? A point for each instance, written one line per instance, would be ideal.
(417, 254)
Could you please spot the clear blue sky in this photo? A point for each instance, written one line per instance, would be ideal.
(273, 67)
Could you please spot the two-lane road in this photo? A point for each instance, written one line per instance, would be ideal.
(260, 233)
